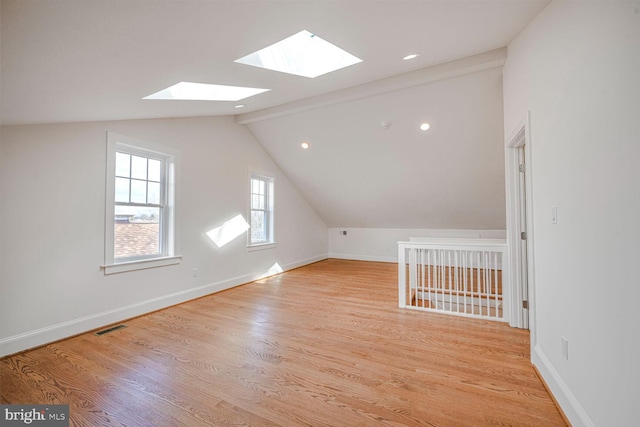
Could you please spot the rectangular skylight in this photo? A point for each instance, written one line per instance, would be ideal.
(302, 54)
(205, 92)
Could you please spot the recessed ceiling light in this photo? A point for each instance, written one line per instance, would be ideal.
(205, 92)
(425, 126)
(239, 106)
(412, 56)
(304, 145)
(302, 54)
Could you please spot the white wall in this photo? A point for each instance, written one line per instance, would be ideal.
(52, 187)
(360, 175)
(576, 68)
(381, 244)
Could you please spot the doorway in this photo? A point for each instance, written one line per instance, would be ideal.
(519, 227)
(522, 229)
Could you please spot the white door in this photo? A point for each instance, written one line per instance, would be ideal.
(522, 201)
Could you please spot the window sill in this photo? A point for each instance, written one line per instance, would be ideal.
(261, 246)
(141, 265)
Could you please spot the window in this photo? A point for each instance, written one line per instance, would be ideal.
(261, 215)
(140, 229)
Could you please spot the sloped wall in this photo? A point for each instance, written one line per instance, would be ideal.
(359, 174)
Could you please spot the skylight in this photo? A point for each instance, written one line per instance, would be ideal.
(302, 54)
(205, 92)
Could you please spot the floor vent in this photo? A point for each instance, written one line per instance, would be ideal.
(113, 328)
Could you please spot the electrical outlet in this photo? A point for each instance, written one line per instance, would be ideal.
(194, 272)
(554, 215)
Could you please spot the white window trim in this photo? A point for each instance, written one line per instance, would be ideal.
(272, 243)
(171, 249)
(141, 264)
(261, 246)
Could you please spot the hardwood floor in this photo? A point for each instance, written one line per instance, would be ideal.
(323, 345)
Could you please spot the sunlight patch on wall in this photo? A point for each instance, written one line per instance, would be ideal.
(228, 231)
(274, 269)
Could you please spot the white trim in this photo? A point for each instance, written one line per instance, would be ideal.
(141, 264)
(360, 257)
(561, 391)
(42, 336)
(169, 230)
(261, 246)
(520, 136)
(455, 313)
(270, 184)
(459, 241)
(300, 263)
(512, 293)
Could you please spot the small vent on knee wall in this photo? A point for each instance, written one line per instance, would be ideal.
(111, 329)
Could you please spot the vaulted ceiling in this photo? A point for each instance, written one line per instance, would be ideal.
(78, 60)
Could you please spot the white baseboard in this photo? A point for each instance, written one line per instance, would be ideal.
(42, 336)
(360, 257)
(304, 262)
(563, 395)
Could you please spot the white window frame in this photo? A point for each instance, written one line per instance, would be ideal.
(168, 242)
(269, 210)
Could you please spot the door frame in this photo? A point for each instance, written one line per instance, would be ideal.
(520, 136)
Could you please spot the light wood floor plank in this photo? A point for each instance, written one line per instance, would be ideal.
(323, 345)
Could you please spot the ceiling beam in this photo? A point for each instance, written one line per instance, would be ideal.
(483, 61)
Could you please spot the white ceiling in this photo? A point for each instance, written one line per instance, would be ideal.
(86, 60)
(91, 60)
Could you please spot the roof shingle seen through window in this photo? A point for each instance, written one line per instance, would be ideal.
(136, 239)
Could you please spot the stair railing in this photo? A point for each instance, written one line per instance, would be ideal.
(465, 277)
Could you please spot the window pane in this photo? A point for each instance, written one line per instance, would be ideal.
(136, 231)
(138, 191)
(261, 201)
(122, 190)
(153, 195)
(154, 170)
(258, 231)
(138, 167)
(257, 186)
(123, 164)
(257, 202)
